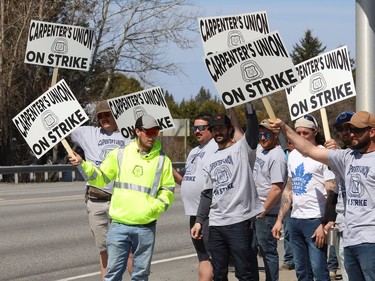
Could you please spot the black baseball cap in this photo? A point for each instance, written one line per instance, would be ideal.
(220, 120)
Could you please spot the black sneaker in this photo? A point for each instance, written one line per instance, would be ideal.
(287, 267)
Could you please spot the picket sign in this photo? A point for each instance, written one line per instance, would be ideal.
(238, 29)
(48, 120)
(325, 80)
(63, 141)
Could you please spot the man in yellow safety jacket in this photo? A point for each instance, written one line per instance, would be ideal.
(143, 189)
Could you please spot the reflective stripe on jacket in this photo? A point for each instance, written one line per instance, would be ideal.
(143, 187)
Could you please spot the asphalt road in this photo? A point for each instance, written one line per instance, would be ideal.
(45, 235)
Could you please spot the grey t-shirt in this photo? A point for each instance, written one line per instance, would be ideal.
(193, 180)
(358, 170)
(96, 143)
(340, 206)
(229, 175)
(270, 167)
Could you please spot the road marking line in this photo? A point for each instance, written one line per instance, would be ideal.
(80, 276)
(40, 200)
(154, 262)
(174, 259)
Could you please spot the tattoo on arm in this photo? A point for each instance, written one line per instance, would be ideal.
(286, 200)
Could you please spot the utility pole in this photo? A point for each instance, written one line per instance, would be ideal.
(365, 55)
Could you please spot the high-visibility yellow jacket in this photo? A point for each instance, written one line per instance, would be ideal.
(143, 187)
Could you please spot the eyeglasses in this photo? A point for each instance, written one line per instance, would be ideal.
(104, 115)
(357, 131)
(153, 132)
(199, 128)
(265, 135)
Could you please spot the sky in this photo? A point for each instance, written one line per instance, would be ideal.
(332, 21)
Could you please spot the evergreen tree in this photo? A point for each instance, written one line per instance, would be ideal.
(203, 95)
(308, 48)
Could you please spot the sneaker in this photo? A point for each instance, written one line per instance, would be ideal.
(332, 275)
(287, 266)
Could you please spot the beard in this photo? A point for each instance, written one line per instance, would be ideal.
(222, 139)
(361, 143)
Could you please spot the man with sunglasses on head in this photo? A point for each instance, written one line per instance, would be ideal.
(96, 142)
(356, 165)
(270, 176)
(229, 198)
(143, 189)
(306, 190)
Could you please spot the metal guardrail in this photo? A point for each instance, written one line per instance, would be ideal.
(65, 172)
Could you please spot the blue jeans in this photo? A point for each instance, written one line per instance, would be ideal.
(288, 251)
(332, 263)
(310, 261)
(340, 256)
(234, 240)
(120, 239)
(268, 246)
(360, 262)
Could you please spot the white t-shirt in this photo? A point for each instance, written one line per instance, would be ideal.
(193, 180)
(359, 172)
(229, 175)
(309, 192)
(96, 143)
(270, 167)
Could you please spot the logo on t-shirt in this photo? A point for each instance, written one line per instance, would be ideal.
(355, 188)
(300, 180)
(223, 176)
(259, 163)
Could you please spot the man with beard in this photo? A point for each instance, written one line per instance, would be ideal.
(230, 199)
(344, 136)
(356, 166)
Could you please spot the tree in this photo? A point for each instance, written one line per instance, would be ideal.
(20, 84)
(130, 39)
(309, 47)
(134, 38)
(203, 95)
(172, 105)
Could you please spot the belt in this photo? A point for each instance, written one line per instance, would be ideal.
(96, 194)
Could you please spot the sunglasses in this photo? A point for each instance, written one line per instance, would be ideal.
(265, 135)
(357, 131)
(104, 115)
(199, 128)
(341, 129)
(153, 132)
